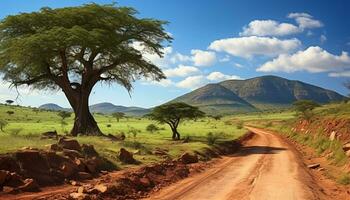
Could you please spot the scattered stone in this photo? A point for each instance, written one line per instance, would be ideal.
(80, 165)
(8, 163)
(187, 158)
(145, 182)
(89, 150)
(68, 169)
(79, 196)
(72, 154)
(14, 180)
(160, 152)
(119, 137)
(3, 176)
(346, 147)
(100, 188)
(50, 135)
(126, 156)
(55, 147)
(30, 185)
(332, 136)
(81, 189)
(74, 183)
(137, 152)
(7, 189)
(84, 175)
(69, 144)
(314, 166)
(348, 153)
(92, 164)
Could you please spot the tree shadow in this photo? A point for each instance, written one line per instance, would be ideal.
(249, 150)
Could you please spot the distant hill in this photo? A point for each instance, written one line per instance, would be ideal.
(105, 108)
(260, 93)
(52, 106)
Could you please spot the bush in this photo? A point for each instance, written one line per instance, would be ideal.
(212, 138)
(3, 124)
(109, 126)
(152, 128)
(344, 179)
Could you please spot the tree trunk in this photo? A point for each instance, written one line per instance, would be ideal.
(84, 122)
(176, 135)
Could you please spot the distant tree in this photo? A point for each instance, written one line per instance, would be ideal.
(304, 108)
(3, 124)
(73, 48)
(152, 128)
(10, 112)
(9, 102)
(118, 115)
(173, 113)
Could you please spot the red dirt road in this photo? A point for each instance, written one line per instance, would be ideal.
(266, 168)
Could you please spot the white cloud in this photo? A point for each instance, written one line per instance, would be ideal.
(181, 71)
(305, 21)
(225, 59)
(314, 59)
(323, 39)
(269, 28)
(192, 82)
(178, 57)
(340, 74)
(248, 46)
(238, 65)
(163, 82)
(203, 58)
(218, 76)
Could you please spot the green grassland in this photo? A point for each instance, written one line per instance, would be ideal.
(26, 125)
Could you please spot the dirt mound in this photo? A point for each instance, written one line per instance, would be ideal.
(28, 169)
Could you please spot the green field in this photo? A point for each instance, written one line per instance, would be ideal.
(26, 125)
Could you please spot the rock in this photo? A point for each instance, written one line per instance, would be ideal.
(159, 152)
(145, 182)
(348, 153)
(89, 150)
(84, 175)
(187, 158)
(3, 176)
(314, 166)
(79, 196)
(346, 147)
(14, 180)
(8, 163)
(126, 156)
(81, 189)
(55, 147)
(50, 135)
(92, 165)
(69, 169)
(30, 185)
(101, 188)
(80, 165)
(69, 144)
(72, 154)
(119, 137)
(7, 189)
(74, 183)
(332, 136)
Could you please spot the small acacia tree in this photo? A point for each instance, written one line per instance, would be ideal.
(73, 48)
(118, 115)
(9, 102)
(173, 113)
(304, 108)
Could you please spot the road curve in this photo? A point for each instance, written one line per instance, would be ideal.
(266, 168)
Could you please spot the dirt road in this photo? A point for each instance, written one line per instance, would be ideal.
(266, 168)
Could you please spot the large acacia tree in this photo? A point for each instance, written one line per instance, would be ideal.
(73, 48)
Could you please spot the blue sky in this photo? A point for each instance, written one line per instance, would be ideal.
(218, 40)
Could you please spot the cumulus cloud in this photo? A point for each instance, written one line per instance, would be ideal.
(193, 82)
(178, 57)
(314, 59)
(340, 74)
(181, 71)
(218, 76)
(305, 21)
(163, 82)
(269, 28)
(248, 46)
(203, 58)
(323, 39)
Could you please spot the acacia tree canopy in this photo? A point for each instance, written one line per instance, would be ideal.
(73, 48)
(173, 113)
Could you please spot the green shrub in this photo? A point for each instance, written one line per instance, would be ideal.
(212, 138)
(152, 128)
(344, 179)
(240, 125)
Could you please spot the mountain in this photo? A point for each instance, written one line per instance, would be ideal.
(52, 106)
(214, 98)
(260, 93)
(105, 108)
(109, 108)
